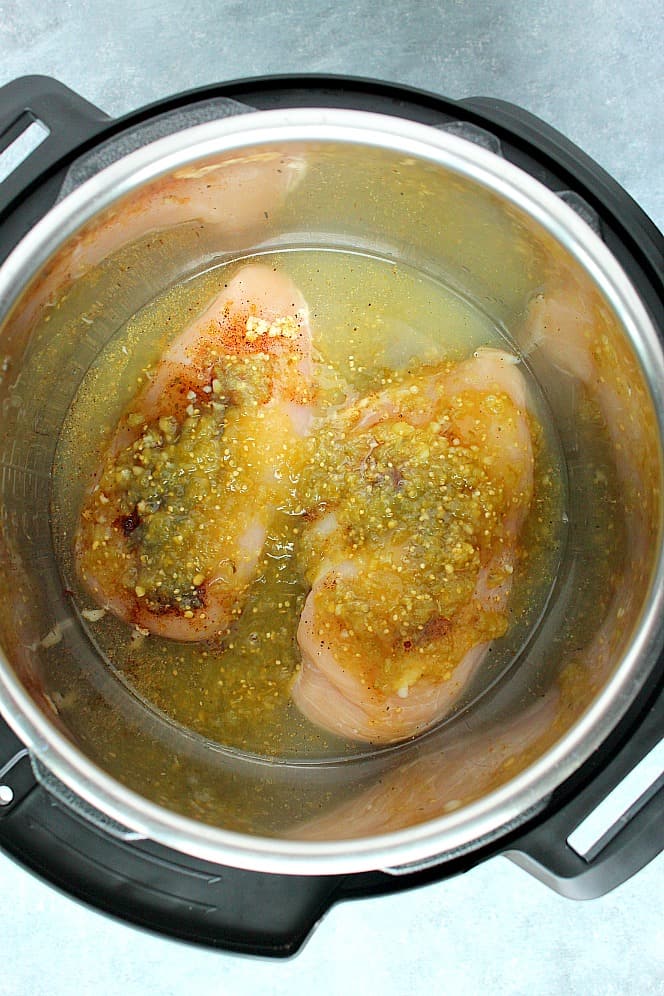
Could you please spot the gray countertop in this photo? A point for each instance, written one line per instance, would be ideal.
(595, 71)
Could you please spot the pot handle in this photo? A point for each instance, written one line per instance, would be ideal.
(17, 778)
(626, 846)
(41, 120)
(66, 843)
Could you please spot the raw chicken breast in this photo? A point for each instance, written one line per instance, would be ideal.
(569, 326)
(172, 531)
(237, 197)
(415, 501)
(441, 780)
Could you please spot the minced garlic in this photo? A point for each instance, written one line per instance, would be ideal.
(285, 327)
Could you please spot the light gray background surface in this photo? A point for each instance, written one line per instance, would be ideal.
(594, 70)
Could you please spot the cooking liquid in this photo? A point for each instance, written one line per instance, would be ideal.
(370, 319)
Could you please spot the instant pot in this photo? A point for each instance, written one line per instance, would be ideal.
(103, 796)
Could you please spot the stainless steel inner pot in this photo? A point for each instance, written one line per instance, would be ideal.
(407, 192)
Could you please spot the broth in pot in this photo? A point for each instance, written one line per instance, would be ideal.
(329, 512)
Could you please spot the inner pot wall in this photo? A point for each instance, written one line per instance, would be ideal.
(351, 181)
